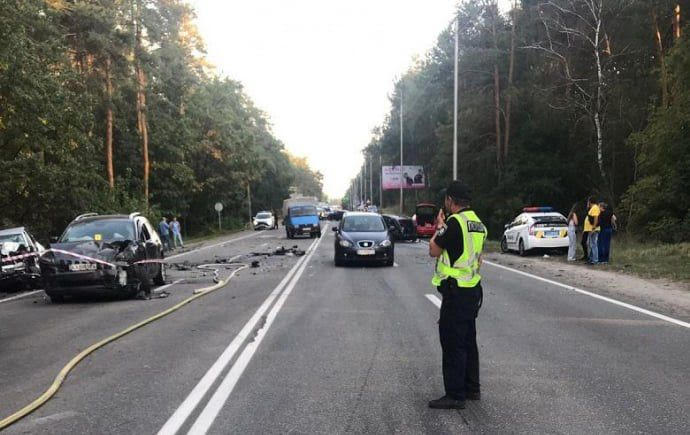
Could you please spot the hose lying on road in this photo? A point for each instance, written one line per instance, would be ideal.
(59, 379)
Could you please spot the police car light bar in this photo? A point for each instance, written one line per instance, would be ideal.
(537, 209)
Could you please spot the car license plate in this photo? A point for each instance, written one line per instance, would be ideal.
(79, 267)
(552, 234)
(365, 252)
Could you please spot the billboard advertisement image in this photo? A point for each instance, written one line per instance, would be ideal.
(411, 177)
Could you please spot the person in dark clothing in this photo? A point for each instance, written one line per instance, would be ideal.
(462, 296)
(607, 221)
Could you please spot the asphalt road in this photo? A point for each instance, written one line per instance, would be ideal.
(298, 345)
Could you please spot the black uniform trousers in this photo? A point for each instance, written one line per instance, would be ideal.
(458, 331)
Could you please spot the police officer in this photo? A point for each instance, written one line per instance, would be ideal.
(457, 247)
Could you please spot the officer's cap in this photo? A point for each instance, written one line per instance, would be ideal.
(459, 191)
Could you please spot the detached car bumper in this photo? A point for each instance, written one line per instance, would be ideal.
(87, 282)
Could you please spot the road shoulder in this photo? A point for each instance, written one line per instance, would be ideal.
(668, 297)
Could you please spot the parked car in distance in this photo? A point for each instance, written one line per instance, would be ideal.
(101, 254)
(404, 228)
(302, 220)
(19, 273)
(424, 218)
(536, 228)
(363, 236)
(336, 215)
(265, 220)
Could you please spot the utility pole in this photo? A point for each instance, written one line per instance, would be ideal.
(364, 178)
(401, 147)
(455, 103)
(371, 181)
(380, 182)
(249, 205)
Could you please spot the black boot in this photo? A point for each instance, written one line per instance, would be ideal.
(473, 396)
(447, 402)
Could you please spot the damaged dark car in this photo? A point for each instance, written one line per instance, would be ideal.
(115, 254)
(19, 253)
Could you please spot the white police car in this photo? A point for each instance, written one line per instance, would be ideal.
(536, 228)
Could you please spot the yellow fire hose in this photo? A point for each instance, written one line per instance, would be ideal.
(60, 378)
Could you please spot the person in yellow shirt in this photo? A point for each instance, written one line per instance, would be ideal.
(592, 229)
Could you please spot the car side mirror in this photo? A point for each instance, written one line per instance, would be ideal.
(53, 239)
(335, 229)
(506, 226)
(392, 228)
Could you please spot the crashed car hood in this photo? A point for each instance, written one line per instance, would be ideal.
(100, 251)
(373, 236)
(7, 248)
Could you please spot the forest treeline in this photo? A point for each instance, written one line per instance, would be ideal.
(558, 100)
(110, 106)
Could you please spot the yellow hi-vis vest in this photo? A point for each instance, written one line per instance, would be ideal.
(465, 270)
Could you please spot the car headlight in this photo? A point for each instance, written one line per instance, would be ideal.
(256, 222)
(345, 244)
(385, 244)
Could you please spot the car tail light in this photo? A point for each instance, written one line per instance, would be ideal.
(531, 230)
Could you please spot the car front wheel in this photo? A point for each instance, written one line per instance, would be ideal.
(159, 279)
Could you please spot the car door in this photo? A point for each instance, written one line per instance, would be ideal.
(510, 232)
(155, 248)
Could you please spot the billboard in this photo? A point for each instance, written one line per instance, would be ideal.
(412, 177)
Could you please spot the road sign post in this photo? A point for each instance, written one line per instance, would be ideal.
(219, 208)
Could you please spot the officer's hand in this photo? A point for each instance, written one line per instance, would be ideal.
(440, 219)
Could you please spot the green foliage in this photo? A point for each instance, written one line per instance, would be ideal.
(207, 140)
(551, 158)
(658, 203)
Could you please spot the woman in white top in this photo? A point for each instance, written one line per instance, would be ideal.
(572, 233)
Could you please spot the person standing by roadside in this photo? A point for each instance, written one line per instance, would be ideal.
(176, 232)
(607, 222)
(592, 225)
(164, 231)
(572, 233)
(457, 247)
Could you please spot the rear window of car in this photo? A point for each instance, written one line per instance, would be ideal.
(106, 230)
(263, 215)
(549, 220)
(426, 210)
(305, 210)
(363, 224)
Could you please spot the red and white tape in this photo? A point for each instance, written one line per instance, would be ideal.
(74, 254)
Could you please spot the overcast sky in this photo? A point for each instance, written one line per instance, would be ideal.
(321, 69)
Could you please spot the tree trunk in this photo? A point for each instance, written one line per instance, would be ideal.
(511, 67)
(497, 93)
(109, 124)
(662, 60)
(142, 125)
(600, 95)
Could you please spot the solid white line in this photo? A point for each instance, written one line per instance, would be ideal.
(197, 394)
(215, 404)
(434, 300)
(21, 296)
(594, 295)
(211, 246)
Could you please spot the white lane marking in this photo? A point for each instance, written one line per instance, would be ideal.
(594, 295)
(237, 239)
(197, 394)
(434, 300)
(21, 296)
(215, 404)
(163, 287)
